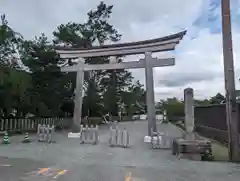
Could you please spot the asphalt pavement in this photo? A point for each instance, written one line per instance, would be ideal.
(67, 160)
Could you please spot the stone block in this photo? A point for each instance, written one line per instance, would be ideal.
(74, 135)
(147, 139)
(190, 147)
(195, 157)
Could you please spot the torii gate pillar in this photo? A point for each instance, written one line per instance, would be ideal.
(150, 101)
(78, 99)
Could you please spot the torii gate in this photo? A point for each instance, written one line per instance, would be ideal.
(146, 47)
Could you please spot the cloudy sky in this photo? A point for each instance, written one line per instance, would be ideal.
(198, 57)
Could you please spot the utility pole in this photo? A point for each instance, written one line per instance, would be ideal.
(231, 104)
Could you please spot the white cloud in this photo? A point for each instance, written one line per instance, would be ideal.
(198, 61)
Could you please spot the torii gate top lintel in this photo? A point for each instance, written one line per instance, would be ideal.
(166, 43)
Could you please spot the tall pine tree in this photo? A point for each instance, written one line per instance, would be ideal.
(96, 31)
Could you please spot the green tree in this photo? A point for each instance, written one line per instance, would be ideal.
(114, 84)
(49, 85)
(217, 99)
(174, 108)
(96, 31)
(202, 102)
(134, 99)
(10, 42)
(14, 85)
(14, 82)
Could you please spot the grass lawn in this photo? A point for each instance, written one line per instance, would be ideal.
(220, 152)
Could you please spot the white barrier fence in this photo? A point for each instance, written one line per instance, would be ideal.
(23, 125)
(118, 137)
(89, 135)
(45, 133)
(160, 140)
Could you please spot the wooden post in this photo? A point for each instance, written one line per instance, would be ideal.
(231, 105)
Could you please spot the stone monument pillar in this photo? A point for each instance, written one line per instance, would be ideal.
(191, 146)
(189, 113)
